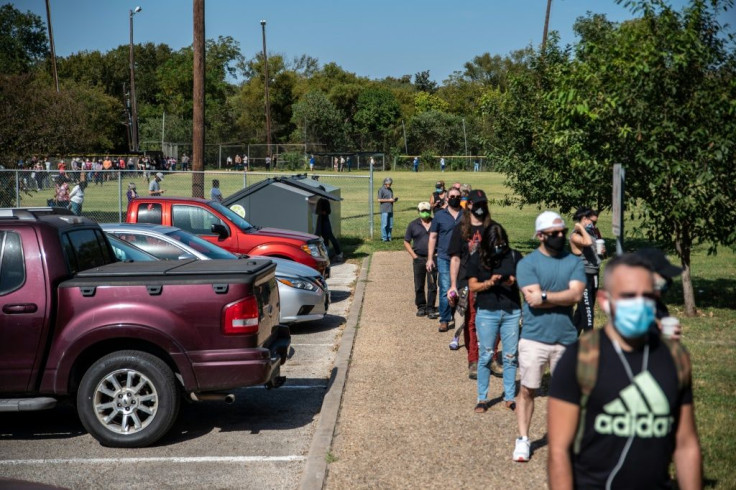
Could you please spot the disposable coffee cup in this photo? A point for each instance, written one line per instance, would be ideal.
(669, 326)
(599, 245)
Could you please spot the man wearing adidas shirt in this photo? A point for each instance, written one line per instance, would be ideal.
(623, 432)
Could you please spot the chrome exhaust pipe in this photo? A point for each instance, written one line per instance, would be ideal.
(228, 398)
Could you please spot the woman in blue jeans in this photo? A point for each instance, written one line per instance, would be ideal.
(492, 277)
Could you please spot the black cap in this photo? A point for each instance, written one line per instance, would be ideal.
(659, 262)
(476, 196)
(583, 212)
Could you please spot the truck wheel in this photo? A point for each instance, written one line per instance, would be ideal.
(128, 399)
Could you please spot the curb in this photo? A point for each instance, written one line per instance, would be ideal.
(315, 470)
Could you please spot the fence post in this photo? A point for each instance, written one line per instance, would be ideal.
(17, 188)
(120, 197)
(370, 200)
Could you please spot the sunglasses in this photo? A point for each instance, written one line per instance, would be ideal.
(561, 232)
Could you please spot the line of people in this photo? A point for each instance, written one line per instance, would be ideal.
(619, 433)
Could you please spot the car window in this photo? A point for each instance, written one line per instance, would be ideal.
(201, 245)
(154, 246)
(150, 213)
(86, 249)
(12, 265)
(194, 219)
(127, 252)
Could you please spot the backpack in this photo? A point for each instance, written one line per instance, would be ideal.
(587, 371)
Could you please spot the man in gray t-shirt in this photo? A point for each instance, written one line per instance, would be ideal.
(386, 199)
(552, 281)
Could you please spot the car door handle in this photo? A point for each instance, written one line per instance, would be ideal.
(21, 308)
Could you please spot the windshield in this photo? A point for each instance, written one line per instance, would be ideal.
(232, 216)
(125, 252)
(200, 245)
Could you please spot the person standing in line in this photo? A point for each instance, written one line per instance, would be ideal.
(349, 162)
(492, 279)
(215, 192)
(132, 192)
(336, 164)
(625, 431)
(372, 163)
(324, 227)
(229, 161)
(268, 163)
(238, 161)
(438, 199)
(416, 243)
(440, 233)
(442, 164)
(464, 193)
(311, 163)
(463, 245)
(342, 163)
(76, 198)
(582, 245)
(664, 274)
(154, 188)
(552, 282)
(386, 199)
(416, 164)
(61, 196)
(476, 166)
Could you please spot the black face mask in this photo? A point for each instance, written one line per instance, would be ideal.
(555, 243)
(454, 202)
(480, 212)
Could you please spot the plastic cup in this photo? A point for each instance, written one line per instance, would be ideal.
(600, 244)
(669, 326)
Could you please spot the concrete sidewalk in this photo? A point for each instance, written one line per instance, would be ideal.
(406, 418)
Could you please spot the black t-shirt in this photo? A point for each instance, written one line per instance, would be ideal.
(418, 236)
(652, 401)
(464, 249)
(500, 296)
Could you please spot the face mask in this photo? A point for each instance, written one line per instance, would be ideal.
(590, 228)
(480, 212)
(499, 250)
(438, 189)
(633, 316)
(425, 214)
(555, 243)
(454, 202)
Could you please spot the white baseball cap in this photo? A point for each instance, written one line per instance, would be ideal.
(160, 176)
(549, 219)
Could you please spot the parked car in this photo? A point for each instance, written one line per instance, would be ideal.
(304, 293)
(225, 228)
(127, 252)
(124, 340)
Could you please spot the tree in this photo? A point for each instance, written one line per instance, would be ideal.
(657, 94)
(23, 43)
(318, 121)
(435, 132)
(377, 115)
(423, 83)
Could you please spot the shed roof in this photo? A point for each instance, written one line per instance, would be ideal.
(296, 181)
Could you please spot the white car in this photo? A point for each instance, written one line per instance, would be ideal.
(303, 291)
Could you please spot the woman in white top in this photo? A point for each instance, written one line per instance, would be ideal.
(77, 197)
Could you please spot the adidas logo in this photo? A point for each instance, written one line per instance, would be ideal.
(641, 409)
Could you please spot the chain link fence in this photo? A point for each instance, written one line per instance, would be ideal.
(106, 195)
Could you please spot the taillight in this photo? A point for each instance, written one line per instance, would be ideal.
(241, 317)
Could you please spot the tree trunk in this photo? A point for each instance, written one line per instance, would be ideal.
(683, 245)
(198, 101)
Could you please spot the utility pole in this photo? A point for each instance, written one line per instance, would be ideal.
(133, 105)
(546, 26)
(51, 45)
(406, 145)
(198, 101)
(266, 83)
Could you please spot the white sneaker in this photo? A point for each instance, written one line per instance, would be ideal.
(521, 451)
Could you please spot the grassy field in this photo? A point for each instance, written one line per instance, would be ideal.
(710, 336)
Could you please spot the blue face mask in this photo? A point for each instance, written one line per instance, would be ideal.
(633, 316)
(590, 228)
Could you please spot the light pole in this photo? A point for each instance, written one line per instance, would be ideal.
(133, 105)
(266, 80)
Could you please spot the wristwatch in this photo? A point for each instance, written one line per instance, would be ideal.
(544, 296)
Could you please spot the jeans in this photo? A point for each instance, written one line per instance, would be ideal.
(76, 208)
(387, 224)
(488, 323)
(421, 276)
(443, 269)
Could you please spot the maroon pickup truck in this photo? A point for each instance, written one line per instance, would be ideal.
(125, 340)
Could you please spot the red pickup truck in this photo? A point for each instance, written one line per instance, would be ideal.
(126, 339)
(225, 228)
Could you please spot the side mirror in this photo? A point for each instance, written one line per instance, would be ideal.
(220, 230)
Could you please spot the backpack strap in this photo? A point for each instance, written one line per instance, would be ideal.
(682, 361)
(589, 349)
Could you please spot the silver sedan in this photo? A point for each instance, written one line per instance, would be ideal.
(304, 293)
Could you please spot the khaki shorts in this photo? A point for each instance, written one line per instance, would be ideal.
(533, 359)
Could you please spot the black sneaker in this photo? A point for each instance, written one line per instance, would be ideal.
(433, 313)
(421, 311)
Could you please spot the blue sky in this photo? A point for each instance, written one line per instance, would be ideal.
(373, 38)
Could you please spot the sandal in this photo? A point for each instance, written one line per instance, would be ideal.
(481, 407)
(511, 405)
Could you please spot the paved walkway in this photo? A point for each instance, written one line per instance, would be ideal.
(406, 418)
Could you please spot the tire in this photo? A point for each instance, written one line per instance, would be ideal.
(128, 399)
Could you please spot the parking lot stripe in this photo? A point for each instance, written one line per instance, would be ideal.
(198, 459)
